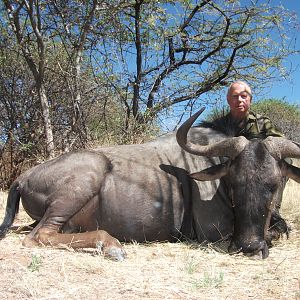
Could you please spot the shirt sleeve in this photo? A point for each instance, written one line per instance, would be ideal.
(269, 130)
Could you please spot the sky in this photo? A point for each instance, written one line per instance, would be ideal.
(289, 90)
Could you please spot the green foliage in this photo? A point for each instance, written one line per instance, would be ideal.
(191, 265)
(35, 264)
(110, 130)
(209, 280)
(284, 116)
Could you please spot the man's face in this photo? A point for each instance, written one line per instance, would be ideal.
(239, 100)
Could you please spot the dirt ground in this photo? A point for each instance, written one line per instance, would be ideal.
(151, 271)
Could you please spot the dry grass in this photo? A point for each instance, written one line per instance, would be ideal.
(291, 203)
(152, 271)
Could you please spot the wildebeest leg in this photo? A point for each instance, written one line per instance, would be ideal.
(100, 239)
(59, 212)
(49, 236)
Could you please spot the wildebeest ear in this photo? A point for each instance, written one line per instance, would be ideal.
(290, 171)
(212, 173)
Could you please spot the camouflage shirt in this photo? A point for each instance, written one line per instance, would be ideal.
(254, 126)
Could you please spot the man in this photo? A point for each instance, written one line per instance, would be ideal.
(240, 120)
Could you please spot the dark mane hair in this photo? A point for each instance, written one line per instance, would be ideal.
(219, 121)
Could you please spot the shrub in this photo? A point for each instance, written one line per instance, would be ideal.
(284, 116)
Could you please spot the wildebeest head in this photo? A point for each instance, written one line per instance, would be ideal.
(255, 172)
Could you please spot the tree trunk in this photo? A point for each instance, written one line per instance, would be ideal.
(47, 122)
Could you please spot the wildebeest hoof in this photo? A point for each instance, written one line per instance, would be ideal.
(115, 253)
(112, 252)
(30, 242)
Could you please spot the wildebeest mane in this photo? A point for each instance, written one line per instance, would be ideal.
(219, 122)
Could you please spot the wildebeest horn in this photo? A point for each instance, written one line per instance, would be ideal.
(281, 148)
(229, 147)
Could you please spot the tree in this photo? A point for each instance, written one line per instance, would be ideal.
(21, 140)
(154, 55)
(23, 68)
(30, 37)
(167, 53)
(90, 68)
(285, 116)
(71, 23)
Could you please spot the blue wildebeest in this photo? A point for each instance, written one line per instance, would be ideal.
(94, 198)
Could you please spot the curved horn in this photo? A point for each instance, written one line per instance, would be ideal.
(281, 148)
(230, 147)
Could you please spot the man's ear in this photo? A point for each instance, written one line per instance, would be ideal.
(212, 173)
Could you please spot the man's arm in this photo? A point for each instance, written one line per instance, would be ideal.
(267, 128)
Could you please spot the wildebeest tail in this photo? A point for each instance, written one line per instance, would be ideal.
(12, 208)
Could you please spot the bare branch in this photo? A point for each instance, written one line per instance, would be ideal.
(190, 17)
